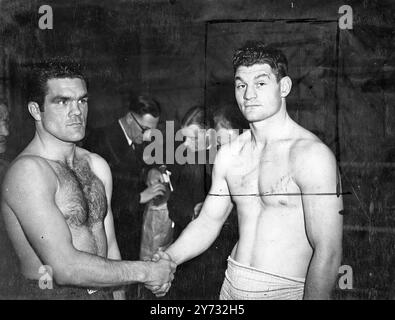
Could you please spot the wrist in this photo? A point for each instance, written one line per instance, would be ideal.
(172, 258)
(146, 274)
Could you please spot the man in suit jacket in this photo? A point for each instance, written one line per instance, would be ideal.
(122, 145)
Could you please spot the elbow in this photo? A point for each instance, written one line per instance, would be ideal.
(65, 276)
(331, 257)
(65, 272)
(61, 277)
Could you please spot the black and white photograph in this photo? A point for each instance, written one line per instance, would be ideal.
(218, 151)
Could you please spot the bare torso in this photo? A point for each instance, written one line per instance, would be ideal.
(272, 234)
(81, 198)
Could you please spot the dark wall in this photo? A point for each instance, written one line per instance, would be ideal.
(180, 52)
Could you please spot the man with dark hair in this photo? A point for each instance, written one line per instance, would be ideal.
(122, 145)
(56, 202)
(284, 183)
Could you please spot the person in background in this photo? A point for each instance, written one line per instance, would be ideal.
(228, 124)
(200, 278)
(122, 144)
(8, 261)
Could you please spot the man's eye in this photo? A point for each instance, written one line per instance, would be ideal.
(84, 101)
(63, 101)
(240, 86)
(261, 84)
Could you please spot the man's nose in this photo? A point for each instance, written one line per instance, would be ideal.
(250, 93)
(75, 107)
(147, 135)
(4, 130)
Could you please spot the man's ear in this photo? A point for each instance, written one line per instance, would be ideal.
(285, 86)
(34, 110)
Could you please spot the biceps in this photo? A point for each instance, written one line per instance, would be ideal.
(216, 208)
(324, 222)
(46, 229)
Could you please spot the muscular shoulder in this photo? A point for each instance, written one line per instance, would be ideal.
(27, 165)
(229, 152)
(311, 151)
(312, 159)
(29, 172)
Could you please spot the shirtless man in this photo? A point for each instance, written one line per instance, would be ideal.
(284, 183)
(56, 201)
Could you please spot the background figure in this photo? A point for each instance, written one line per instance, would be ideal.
(200, 278)
(228, 124)
(121, 144)
(8, 261)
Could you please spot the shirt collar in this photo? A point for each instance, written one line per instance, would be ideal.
(130, 141)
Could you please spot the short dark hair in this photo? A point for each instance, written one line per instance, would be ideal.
(196, 115)
(254, 52)
(143, 104)
(57, 68)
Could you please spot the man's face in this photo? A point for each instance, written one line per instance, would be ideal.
(195, 137)
(141, 127)
(65, 109)
(4, 120)
(257, 92)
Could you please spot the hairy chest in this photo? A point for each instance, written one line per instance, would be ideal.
(81, 195)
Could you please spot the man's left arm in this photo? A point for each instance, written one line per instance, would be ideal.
(103, 171)
(319, 182)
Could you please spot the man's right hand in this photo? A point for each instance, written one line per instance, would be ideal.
(160, 272)
(151, 192)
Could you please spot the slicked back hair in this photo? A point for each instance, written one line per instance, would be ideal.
(144, 104)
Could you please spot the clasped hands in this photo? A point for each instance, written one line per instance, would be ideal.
(162, 273)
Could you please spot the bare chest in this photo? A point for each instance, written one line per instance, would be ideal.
(81, 195)
(265, 178)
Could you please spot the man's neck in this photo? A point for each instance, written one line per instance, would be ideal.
(54, 149)
(276, 127)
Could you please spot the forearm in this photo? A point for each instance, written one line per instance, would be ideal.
(86, 270)
(195, 239)
(321, 276)
(113, 253)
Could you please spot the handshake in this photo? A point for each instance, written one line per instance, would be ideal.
(161, 273)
